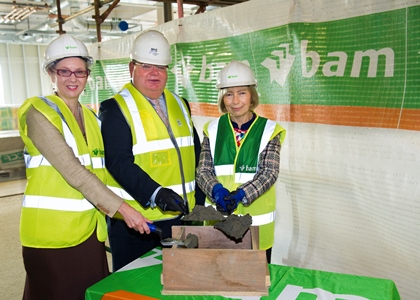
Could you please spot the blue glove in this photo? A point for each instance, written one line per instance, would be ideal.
(233, 200)
(218, 194)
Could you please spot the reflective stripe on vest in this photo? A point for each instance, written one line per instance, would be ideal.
(189, 186)
(55, 203)
(261, 216)
(229, 170)
(85, 160)
(144, 146)
(163, 153)
(55, 214)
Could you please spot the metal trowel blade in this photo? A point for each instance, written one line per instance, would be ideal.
(171, 242)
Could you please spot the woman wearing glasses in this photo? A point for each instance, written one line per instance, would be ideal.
(62, 227)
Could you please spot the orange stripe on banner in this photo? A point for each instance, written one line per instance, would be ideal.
(204, 109)
(124, 295)
(408, 119)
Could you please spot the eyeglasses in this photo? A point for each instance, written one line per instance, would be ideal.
(68, 73)
(147, 67)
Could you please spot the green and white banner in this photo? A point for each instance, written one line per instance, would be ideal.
(357, 71)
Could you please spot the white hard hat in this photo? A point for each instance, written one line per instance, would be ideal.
(151, 47)
(65, 46)
(235, 74)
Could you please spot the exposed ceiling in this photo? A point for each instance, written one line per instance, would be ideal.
(36, 21)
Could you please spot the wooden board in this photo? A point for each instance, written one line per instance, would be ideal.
(219, 266)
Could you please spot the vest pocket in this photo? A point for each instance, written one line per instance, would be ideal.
(160, 158)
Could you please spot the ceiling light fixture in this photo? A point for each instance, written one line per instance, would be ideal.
(20, 12)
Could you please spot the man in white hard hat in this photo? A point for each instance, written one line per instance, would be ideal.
(151, 149)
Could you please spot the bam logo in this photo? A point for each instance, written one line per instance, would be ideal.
(98, 151)
(98, 83)
(292, 292)
(286, 61)
(280, 68)
(336, 64)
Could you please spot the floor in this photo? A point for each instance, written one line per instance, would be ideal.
(12, 272)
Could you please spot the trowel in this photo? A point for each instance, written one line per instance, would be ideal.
(171, 242)
(167, 241)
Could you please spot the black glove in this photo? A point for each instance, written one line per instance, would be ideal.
(233, 200)
(168, 200)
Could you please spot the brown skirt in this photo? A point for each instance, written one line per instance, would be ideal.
(64, 273)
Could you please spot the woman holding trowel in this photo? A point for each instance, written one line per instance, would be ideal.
(240, 154)
(62, 227)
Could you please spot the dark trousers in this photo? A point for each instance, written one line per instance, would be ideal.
(127, 244)
(64, 273)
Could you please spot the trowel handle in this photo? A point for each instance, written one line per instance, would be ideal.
(154, 228)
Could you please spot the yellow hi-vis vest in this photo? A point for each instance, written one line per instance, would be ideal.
(235, 166)
(168, 158)
(54, 214)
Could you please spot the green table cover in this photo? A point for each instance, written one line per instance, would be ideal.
(143, 276)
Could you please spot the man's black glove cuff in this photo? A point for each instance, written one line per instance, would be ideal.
(167, 200)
